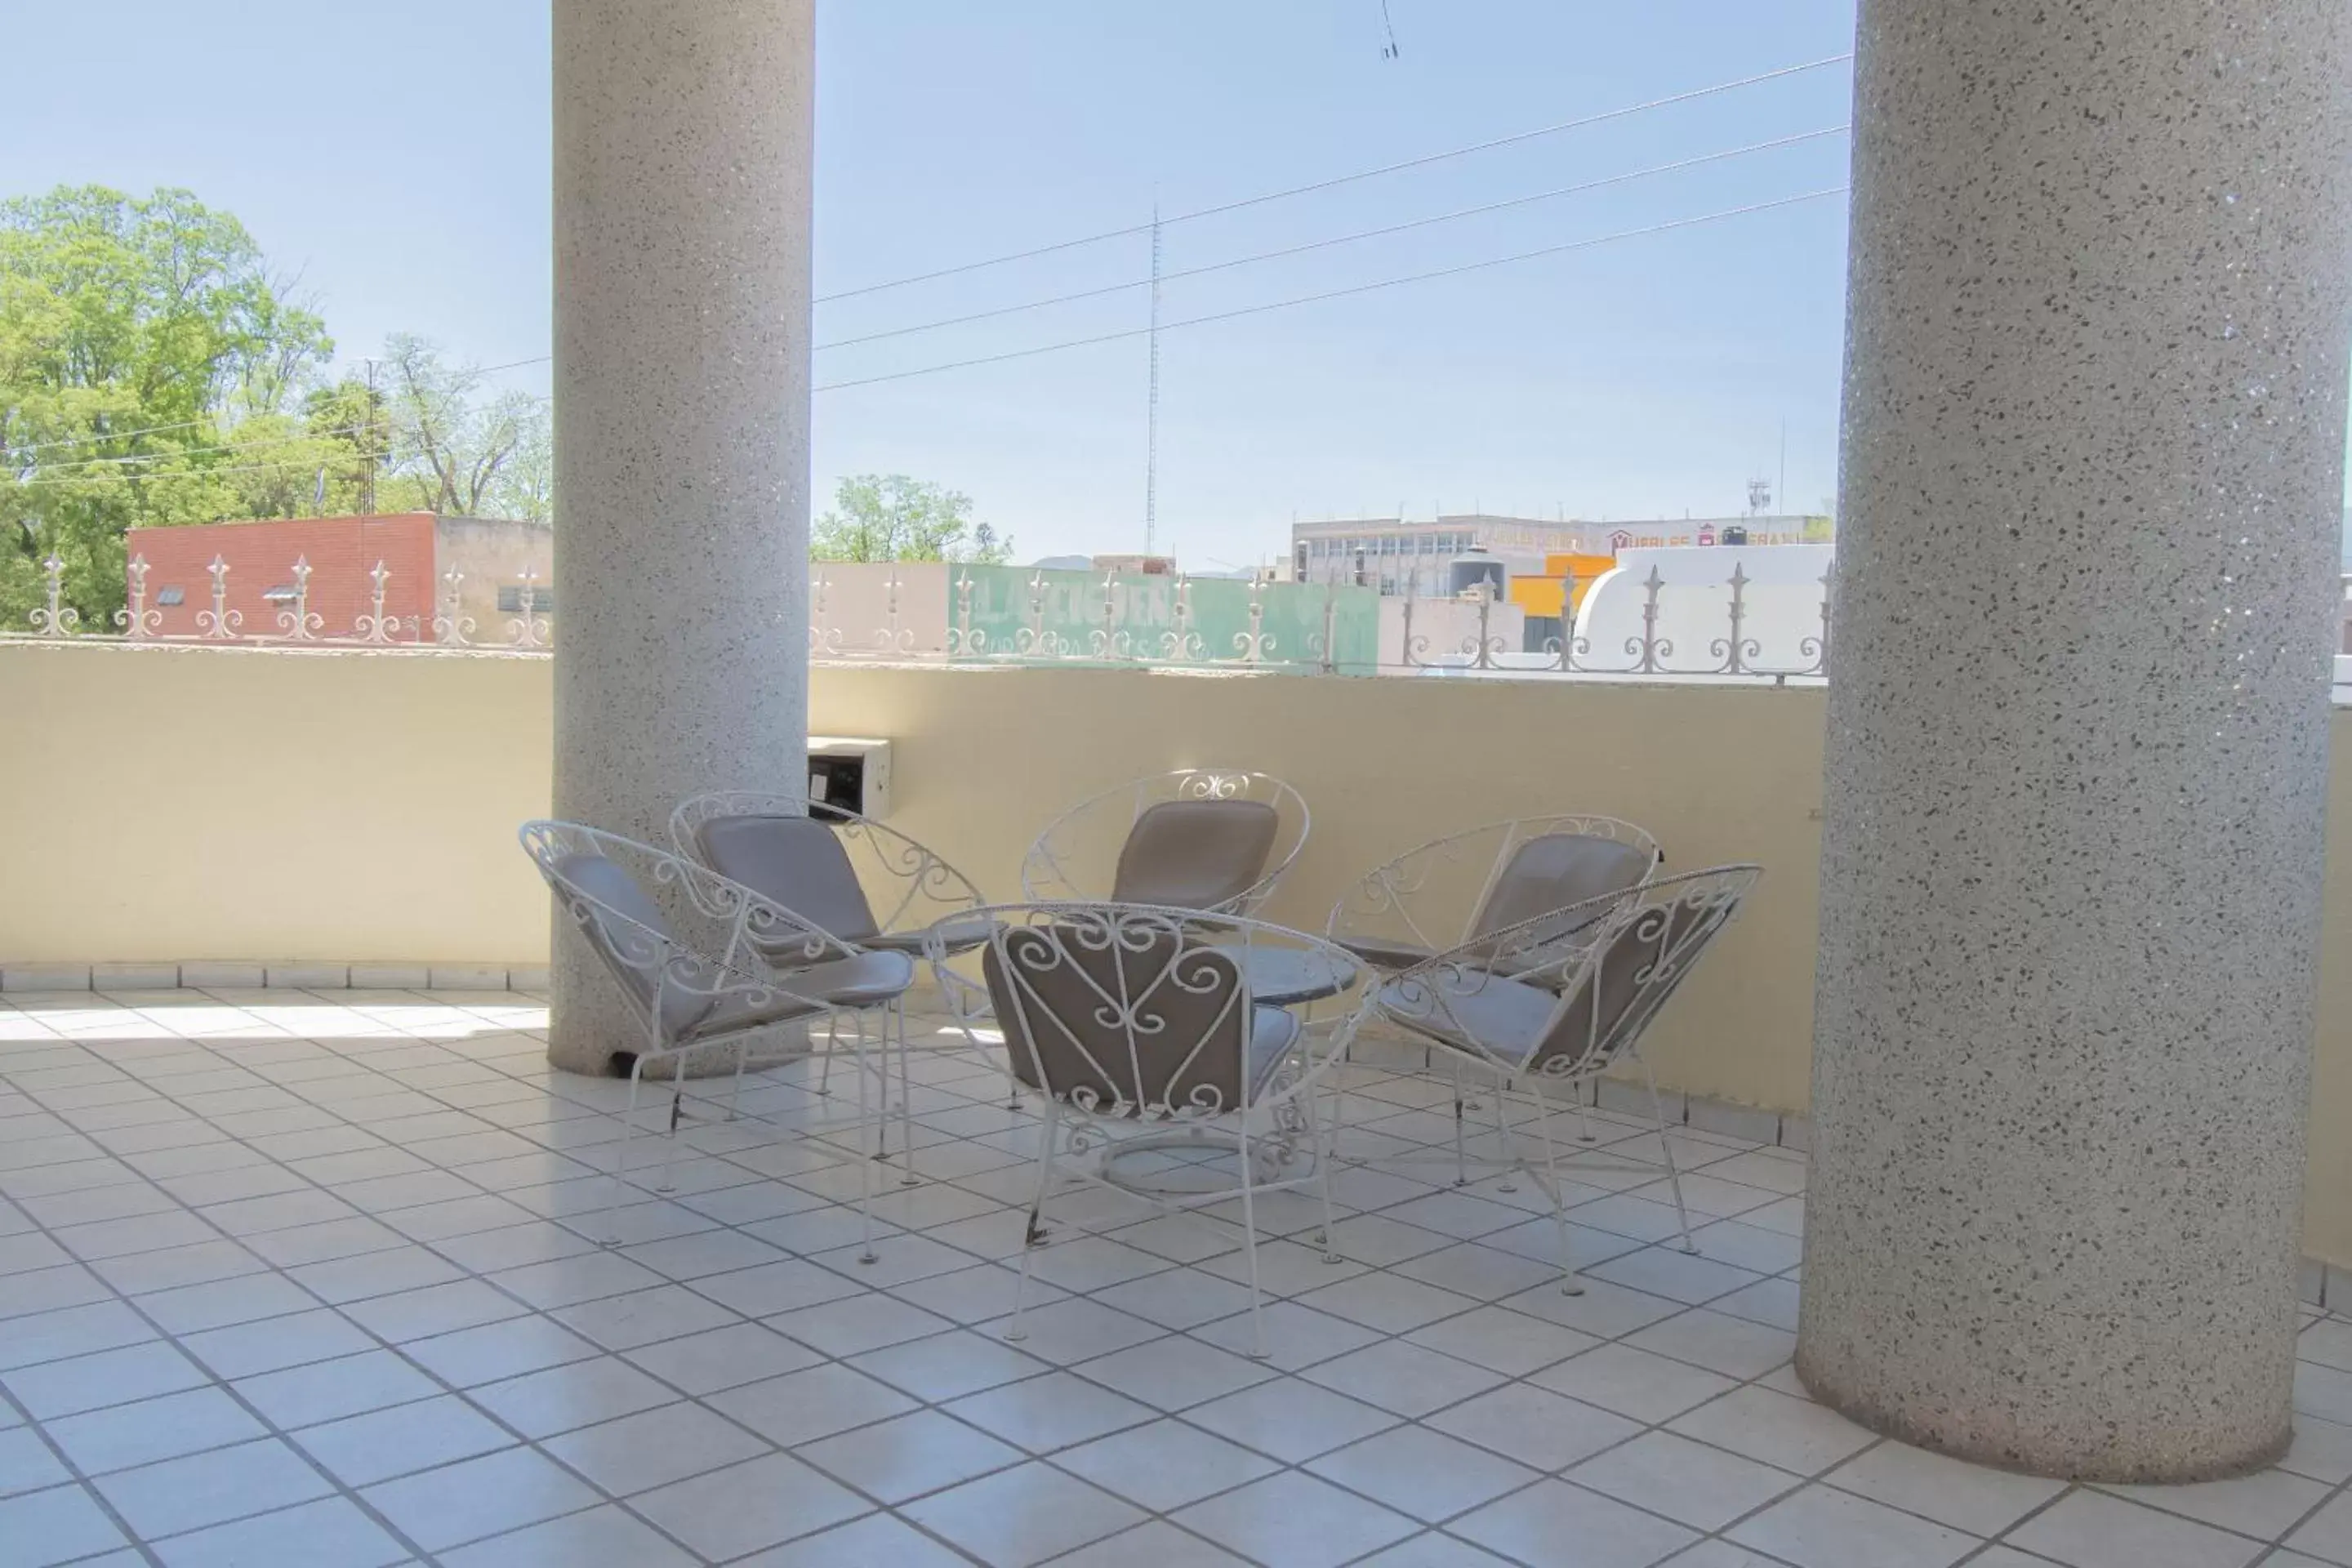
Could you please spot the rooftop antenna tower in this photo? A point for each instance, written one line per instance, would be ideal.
(1151, 400)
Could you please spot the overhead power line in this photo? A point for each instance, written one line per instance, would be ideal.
(1421, 162)
(166, 478)
(168, 454)
(1340, 239)
(1457, 271)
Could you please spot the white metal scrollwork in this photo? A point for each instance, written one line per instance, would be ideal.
(529, 630)
(375, 626)
(452, 627)
(56, 618)
(136, 618)
(301, 623)
(220, 622)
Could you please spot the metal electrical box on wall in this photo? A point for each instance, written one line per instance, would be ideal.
(849, 773)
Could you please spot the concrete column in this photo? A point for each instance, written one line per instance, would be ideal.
(2094, 405)
(682, 176)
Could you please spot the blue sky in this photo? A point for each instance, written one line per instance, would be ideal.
(398, 156)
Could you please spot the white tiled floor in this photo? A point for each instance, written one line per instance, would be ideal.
(313, 1278)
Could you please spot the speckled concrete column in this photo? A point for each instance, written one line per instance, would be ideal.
(2094, 405)
(682, 174)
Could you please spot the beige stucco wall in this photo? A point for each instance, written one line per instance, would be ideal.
(174, 803)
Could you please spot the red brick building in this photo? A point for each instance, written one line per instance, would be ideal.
(415, 549)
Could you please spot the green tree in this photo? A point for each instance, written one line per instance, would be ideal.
(456, 451)
(149, 364)
(890, 517)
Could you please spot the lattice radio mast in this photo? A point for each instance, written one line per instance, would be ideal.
(1151, 402)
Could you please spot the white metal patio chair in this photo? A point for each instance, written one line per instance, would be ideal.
(1132, 1023)
(706, 965)
(1482, 879)
(1212, 839)
(1546, 1017)
(862, 882)
(1479, 880)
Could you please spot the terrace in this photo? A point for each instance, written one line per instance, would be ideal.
(2022, 1190)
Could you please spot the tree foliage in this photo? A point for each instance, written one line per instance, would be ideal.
(136, 335)
(154, 371)
(454, 451)
(891, 517)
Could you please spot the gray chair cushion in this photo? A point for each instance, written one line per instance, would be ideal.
(630, 933)
(863, 980)
(1194, 854)
(1614, 994)
(956, 933)
(1386, 952)
(795, 861)
(1558, 870)
(1501, 1018)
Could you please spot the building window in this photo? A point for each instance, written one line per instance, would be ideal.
(542, 600)
(172, 595)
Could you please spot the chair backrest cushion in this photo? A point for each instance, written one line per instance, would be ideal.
(1195, 854)
(1625, 985)
(1151, 1020)
(1555, 869)
(797, 862)
(631, 935)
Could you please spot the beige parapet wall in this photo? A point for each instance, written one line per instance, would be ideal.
(182, 803)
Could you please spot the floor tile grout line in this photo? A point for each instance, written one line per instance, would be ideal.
(80, 1479)
(352, 1493)
(286, 1435)
(827, 1202)
(226, 1387)
(533, 1311)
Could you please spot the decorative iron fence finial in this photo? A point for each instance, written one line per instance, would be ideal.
(375, 626)
(56, 618)
(300, 624)
(220, 622)
(136, 618)
(451, 627)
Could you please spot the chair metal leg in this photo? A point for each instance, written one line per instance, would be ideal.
(824, 1069)
(1037, 1235)
(667, 1184)
(1674, 1173)
(1249, 1240)
(865, 1165)
(1584, 1132)
(735, 1095)
(907, 1177)
(1503, 1134)
(621, 1155)
(1569, 1286)
(1325, 1150)
(1461, 1157)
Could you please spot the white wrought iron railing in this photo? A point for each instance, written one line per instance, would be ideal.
(1026, 616)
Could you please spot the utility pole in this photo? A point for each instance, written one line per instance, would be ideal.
(1151, 400)
(367, 478)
